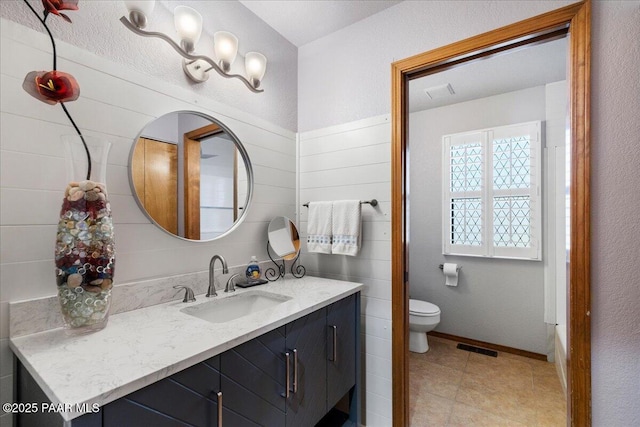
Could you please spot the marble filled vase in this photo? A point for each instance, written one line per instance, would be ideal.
(85, 251)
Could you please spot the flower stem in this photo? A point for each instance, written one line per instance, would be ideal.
(55, 61)
(86, 149)
(42, 20)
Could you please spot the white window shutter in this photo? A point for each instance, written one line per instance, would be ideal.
(491, 192)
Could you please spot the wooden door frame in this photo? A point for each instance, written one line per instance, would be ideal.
(577, 17)
(191, 150)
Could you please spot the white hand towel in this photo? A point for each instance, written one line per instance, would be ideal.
(347, 227)
(319, 227)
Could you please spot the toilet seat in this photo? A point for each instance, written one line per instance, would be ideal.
(423, 308)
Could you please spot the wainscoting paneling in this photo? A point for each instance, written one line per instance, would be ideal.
(115, 103)
(351, 161)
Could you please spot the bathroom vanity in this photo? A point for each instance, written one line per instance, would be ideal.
(286, 365)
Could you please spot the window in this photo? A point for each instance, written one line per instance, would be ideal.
(491, 193)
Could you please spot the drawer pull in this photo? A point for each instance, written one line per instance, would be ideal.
(219, 408)
(287, 356)
(295, 370)
(334, 329)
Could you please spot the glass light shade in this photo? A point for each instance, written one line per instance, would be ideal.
(188, 24)
(143, 6)
(255, 64)
(226, 48)
(139, 11)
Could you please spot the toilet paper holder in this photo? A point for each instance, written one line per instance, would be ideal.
(441, 266)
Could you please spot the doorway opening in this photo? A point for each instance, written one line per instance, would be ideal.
(576, 20)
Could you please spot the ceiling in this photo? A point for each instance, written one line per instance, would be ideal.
(513, 70)
(302, 22)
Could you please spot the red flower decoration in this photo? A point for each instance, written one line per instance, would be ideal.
(51, 86)
(55, 6)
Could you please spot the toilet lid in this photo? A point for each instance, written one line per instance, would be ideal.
(422, 308)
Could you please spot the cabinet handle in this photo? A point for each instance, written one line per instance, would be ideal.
(219, 408)
(295, 370)
(287, 356)
(335, 343)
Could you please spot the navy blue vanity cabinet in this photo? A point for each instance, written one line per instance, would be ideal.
(189, 397)
(289, 377)
(342, 321)
(306, 349)
(253, 382)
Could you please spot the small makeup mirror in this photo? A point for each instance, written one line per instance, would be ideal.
(284, 239)
(284, 242)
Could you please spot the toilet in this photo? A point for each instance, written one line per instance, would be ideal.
(423, 317)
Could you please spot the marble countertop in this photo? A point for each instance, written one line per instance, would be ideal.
(140, 347)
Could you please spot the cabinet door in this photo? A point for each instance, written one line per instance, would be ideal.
(341, 348)
(306, 342)
(186, 398)
(253, 382)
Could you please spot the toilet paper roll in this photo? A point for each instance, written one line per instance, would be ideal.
(450, 271)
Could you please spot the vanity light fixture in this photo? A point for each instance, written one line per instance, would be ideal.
(188, 24)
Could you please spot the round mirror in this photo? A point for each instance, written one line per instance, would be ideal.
(191, 175)
(284, 239)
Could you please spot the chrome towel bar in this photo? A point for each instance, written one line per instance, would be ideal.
(372, 202)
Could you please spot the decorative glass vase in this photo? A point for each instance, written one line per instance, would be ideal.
(85, 251)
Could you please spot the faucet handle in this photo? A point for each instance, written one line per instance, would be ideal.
(230, 284)
(188, 294)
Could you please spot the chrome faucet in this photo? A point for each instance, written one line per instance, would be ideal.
(231, 286)
(212, 286)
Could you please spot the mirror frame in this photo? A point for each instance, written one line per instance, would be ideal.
(577, 19)
(241, 150)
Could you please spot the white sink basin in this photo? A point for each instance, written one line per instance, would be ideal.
(225, 309)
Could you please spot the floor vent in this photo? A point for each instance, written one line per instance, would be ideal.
(478, 350)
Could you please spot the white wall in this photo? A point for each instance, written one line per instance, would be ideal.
(346, 76)
(115, 103)
(352, 162)
(615, 202)
(165, 130)
(96, 28)
(500, 301)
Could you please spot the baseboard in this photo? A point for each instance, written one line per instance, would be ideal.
(490, 346)
(561, 362)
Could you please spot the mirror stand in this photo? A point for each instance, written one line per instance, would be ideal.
(270, 273)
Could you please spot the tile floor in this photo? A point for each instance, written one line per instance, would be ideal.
(451, 387)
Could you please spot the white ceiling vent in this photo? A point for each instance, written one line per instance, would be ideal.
(439, 91)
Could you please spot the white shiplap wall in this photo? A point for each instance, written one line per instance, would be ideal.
(352, 161)
(115, 103)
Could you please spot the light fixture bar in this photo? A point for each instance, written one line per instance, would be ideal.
(186, 55)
